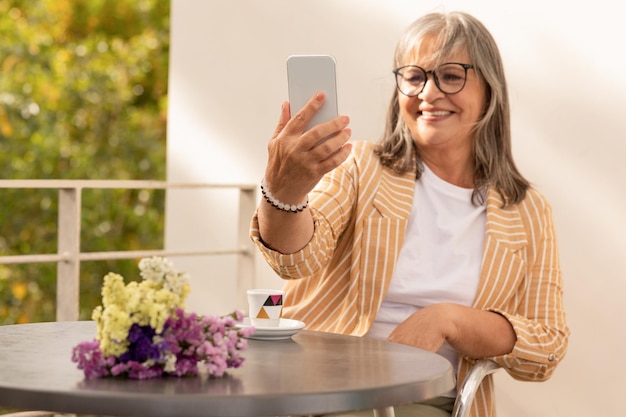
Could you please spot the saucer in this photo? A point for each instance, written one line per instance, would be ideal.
(285, 329)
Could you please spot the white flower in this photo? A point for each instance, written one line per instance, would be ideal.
(170, 362)
(156, 269)
(176, 282)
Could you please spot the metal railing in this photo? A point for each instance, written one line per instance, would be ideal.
(69, 255)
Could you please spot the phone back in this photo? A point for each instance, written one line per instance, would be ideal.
(308, 75)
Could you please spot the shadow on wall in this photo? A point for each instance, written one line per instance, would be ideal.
(568, 140)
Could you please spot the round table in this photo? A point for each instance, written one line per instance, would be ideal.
(310, 373)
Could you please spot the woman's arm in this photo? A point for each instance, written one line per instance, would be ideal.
(472, 332)
(332, 203)
(297, 160)
(525, 332)
(538, 316)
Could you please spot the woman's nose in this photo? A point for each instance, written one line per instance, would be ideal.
(430, 91)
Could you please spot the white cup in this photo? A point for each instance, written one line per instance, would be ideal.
(265, 307)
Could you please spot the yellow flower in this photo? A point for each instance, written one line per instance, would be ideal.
(113, 290)
(113, 326)
(96, 313)
(148, 302)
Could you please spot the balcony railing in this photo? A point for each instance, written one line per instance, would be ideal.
(69, 255)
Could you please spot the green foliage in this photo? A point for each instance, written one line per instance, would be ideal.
(83, 95)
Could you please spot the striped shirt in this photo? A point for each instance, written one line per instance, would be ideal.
(360, 210)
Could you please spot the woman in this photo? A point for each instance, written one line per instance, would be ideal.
(432, 237)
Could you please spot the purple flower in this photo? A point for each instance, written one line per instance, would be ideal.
(141, 347)
(199, 344)
(186, 366)
(136, 370)
(89, 358)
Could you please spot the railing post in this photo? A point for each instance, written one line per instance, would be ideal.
(68, 270)
(246, 277)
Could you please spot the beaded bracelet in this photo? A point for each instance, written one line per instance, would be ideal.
(290, 208)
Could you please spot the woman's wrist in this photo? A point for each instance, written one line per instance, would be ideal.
(276, 203)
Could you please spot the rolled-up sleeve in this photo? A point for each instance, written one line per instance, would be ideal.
(538, 318)
(331, 203)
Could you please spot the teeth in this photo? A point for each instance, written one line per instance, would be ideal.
(435, 113)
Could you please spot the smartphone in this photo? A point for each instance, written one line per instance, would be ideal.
(310, 74)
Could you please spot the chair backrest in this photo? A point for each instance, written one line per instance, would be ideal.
(470, 385)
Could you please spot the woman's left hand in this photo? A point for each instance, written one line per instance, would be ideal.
(470, 331)
(426, 329)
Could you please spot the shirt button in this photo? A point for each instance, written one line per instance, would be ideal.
(551, 357)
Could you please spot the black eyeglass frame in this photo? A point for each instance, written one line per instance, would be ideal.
(435, 77)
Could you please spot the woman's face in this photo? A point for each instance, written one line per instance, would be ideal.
(443, 122)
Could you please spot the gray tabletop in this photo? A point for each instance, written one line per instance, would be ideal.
(311, 373)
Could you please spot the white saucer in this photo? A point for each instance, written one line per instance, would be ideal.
(285, 329)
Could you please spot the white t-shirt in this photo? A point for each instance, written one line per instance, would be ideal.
(441, 256)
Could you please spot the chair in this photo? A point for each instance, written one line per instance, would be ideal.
(467, 392)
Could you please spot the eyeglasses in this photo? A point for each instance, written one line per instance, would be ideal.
(450, 78)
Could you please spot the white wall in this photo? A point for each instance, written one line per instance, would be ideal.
(564, 61)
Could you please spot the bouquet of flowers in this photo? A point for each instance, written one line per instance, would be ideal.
(144, 331)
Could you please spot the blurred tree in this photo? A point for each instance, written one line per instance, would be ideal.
(83, 95)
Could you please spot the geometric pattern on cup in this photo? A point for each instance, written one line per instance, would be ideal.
(270, 312)
(274, 300)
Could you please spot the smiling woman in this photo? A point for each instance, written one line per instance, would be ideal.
(429, 238)
(83, 96)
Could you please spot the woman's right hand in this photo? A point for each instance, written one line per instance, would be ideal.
(297, 159)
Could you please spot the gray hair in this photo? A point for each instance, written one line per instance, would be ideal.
(492, 154)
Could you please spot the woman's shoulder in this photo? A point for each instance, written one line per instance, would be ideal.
(532, 198)
(536, 198)
(535, 208)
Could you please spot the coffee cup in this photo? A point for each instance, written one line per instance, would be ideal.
(265, 307)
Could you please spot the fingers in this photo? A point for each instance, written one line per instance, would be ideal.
(298, 159)
(424, 329)
(301, 119)
(297, 124)
(321, 133)
(294, 127)
(283, 120)
(328, 146)
(335, 159)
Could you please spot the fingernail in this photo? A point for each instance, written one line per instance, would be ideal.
(345, 120)
(319, 96)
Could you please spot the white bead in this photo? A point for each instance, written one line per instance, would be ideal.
(269, 197)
